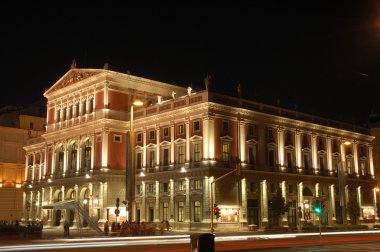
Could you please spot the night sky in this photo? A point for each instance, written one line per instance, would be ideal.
(323, 56)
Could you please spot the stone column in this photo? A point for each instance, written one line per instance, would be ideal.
(50, 211)
(370, 154)
(298, 149)
(171, 220)
(158, 146)
(205, 124)
(172, 143)
(359, 195)
(157, 203)
(105, 135)
(65, 155)
(281, 147)
(314, 152)
(264, 203)
(92, 139)
(26, 167)
(300, 201)
(187, 141)
(103, 210)
(329, 154)
(332, 218)
(356, 157)
(283, 194)
(346, 194)
(144, 148)
(30, 214)
(206, 200)
(374, 196)
(143, 203)
(187, 203)
(243, 140)
(244, 207)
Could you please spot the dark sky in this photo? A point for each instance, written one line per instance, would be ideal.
(321, 55)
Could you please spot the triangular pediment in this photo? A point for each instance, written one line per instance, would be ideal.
(71, 77)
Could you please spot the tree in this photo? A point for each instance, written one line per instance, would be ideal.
(353, 208)
(279, 206)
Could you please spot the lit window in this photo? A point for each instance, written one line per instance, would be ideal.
(166, 132)
(226, 152)
(180, 211)
(197, 152)
(197, 211)
(181, 154)
(180, 129)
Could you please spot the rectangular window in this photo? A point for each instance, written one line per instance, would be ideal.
(151, 159)
(271, 158)
(166, 157)
(197, 211)
(83, 107)
(225, 127)
(181, 185)
(180, 129)
(70, 112)
(290, 189)
(64, 114)
(138, 189)
(165, 187)
(139, 137)
(180, 211)
(349, 166)
(321, 163)
(362, 168)
(165, 211)
(181, 154)
(31, 125)
(138, 161)
(289, 139)
(197, 152)
(151, 188)
(289, 158)
(270, 134)
(58, 116)
(197, 184)
(305, 141)
(251, 130)
(335, 164)
(76, 112)
(117, 138)
(226, 152)
(252, 155)
(196, 126)
(272, 187)
(151, 135)
(306, 161)
(252, 187)
(166, 132)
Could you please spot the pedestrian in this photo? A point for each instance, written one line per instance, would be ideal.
(162, 228)
(167, 225)
(106, 228)
(66, 229)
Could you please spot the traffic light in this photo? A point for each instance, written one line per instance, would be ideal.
(216, 211)
(318, 207)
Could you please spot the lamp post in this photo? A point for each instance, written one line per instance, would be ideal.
(342, 181)
(130, 169)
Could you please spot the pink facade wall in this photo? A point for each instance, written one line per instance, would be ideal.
(118, 101)
(116, 152)
(51, 112)
(99, 98)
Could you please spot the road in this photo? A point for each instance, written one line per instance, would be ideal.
(350, 241)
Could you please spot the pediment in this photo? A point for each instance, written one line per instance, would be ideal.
(71, 77)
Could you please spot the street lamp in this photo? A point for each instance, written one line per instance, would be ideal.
(342, 181)
(130, 172)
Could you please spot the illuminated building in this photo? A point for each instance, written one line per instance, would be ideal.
(17, 126)
(184, 140)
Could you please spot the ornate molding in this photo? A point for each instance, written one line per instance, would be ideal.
(71, 78)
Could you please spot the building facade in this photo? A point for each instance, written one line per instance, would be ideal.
(17, 126)
(184, 141)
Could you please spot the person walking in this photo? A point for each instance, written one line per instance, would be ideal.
(106, 228)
